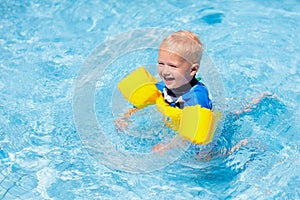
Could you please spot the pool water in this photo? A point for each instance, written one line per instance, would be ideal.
(45, 48)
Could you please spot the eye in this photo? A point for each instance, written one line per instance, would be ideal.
(161, 63)
(173, 66)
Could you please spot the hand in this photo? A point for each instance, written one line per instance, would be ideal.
(238, 146)
(176, 142)
(160, 148)
(121, 124)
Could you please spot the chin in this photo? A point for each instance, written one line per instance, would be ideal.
(169, 86)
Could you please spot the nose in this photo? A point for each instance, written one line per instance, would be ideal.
(166, 70)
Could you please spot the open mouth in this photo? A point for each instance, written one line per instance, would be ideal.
(167, 79)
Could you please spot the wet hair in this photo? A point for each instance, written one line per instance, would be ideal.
(185, 44)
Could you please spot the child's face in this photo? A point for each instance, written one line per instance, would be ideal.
(174, 70)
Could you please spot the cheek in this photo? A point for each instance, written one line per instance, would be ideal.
(183, 76)
(159, 70)
(186, 72)
(180, 74)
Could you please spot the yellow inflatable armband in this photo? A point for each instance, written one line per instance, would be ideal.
(194, 123)
(139, 88)
(197, 124)
(167, 110)
(173, 114)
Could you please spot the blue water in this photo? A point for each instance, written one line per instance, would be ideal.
(45, 49)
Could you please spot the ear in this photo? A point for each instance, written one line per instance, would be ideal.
(194, 69)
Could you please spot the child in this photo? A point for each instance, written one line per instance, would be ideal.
(179, 59)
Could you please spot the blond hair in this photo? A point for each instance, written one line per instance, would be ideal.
(184, 43)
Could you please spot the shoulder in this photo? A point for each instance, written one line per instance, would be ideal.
(198, 95)
(160, 85)
(200, 88)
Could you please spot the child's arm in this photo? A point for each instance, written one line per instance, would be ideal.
(122, 123)
(130, 112)
(252, 104)
(175, 142)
